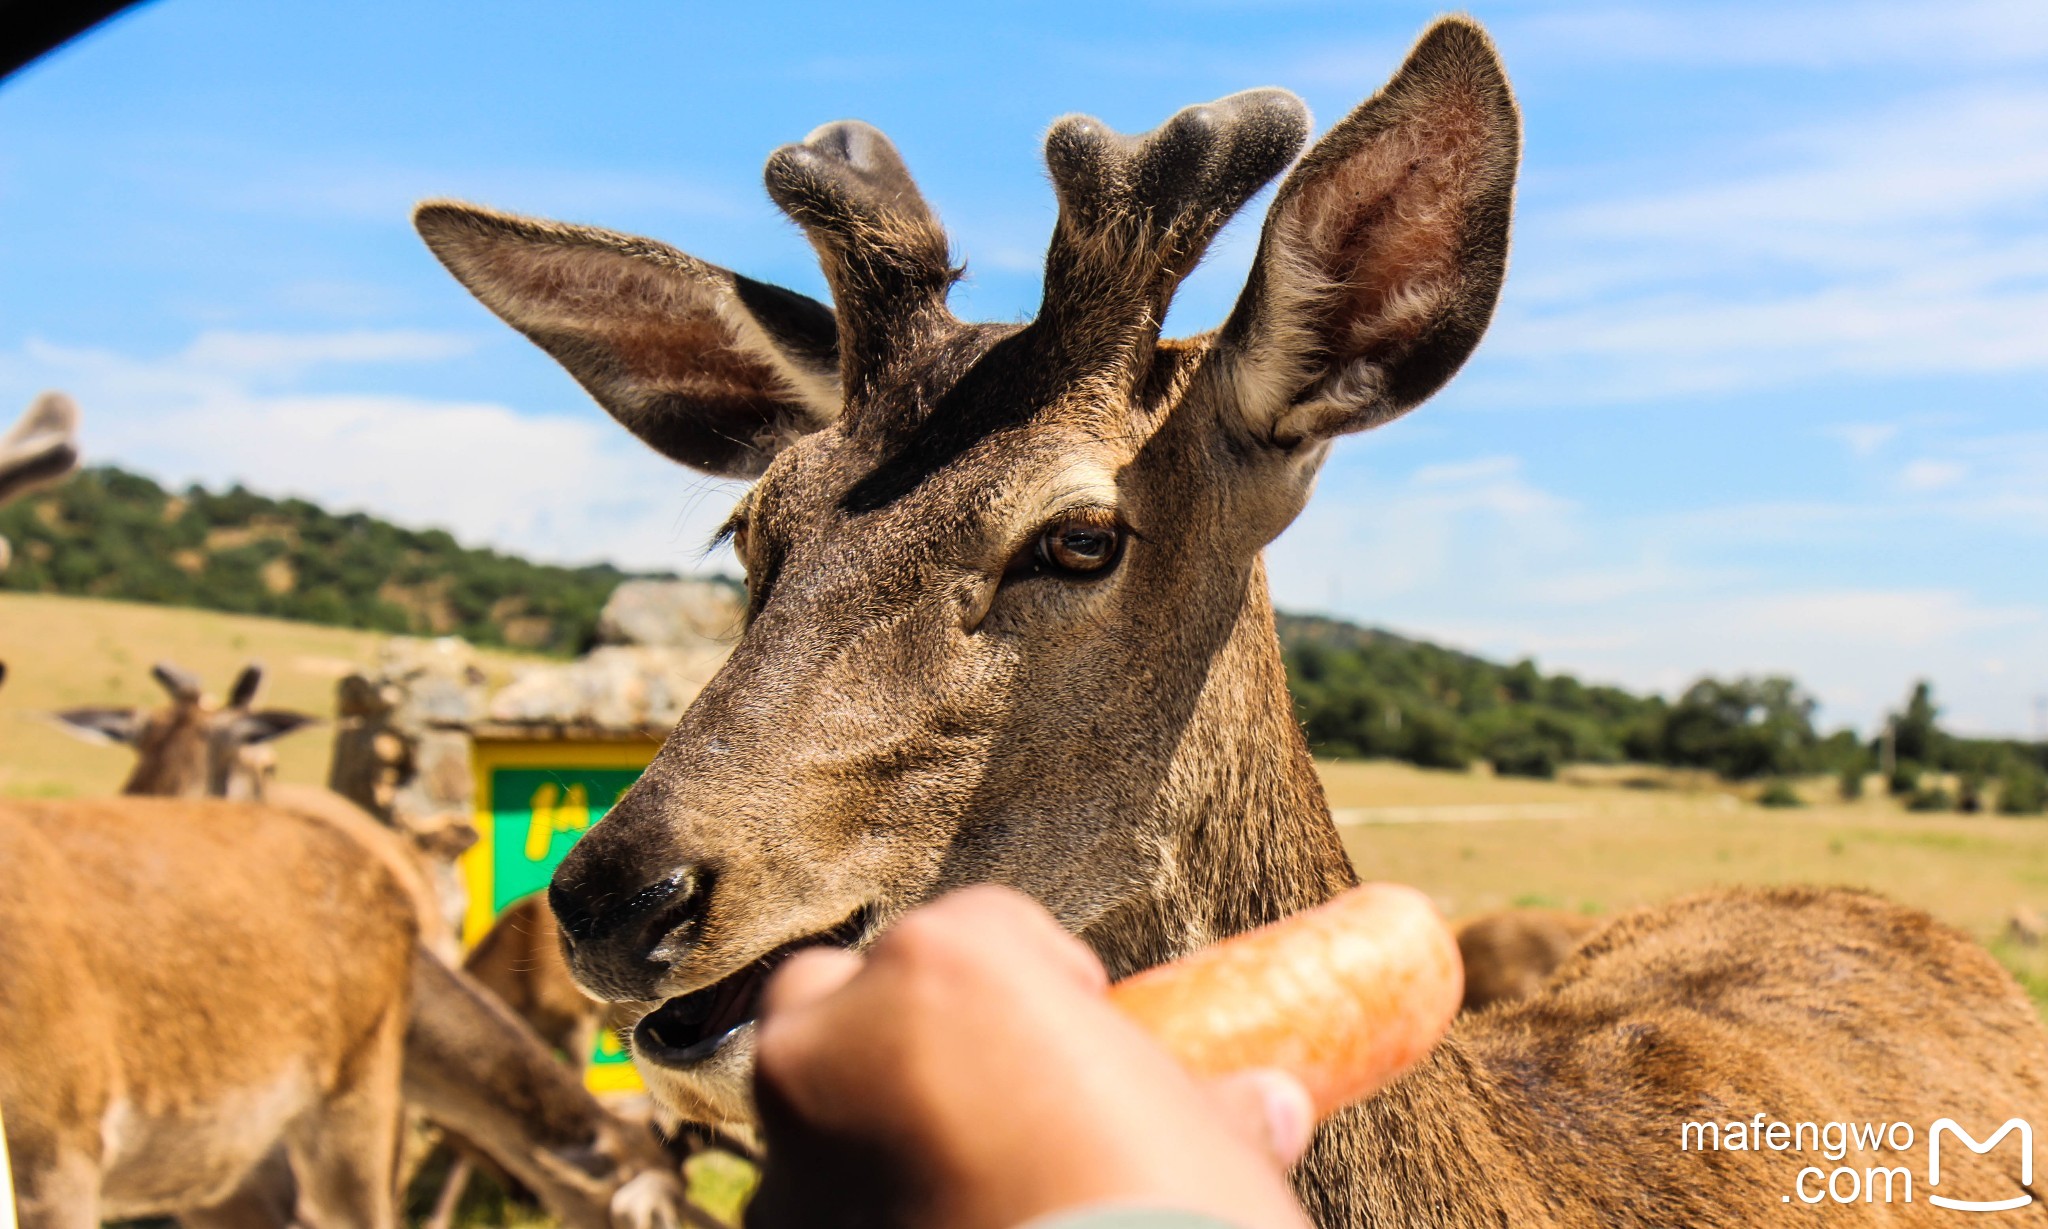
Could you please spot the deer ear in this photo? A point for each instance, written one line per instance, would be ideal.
(247, 684)
(102, 725)
(1383, 254)
(41, 447)
(709, 368)
(266, 724)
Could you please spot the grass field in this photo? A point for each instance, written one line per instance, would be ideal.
(1599, 841)
(62, 652)
(1597, 847)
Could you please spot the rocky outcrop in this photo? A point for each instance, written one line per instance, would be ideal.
(672, 613)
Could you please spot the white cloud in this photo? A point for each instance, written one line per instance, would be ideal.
(1960, 32)
(1475, 554)
(1890, 244)
(1926, 475)
(292, 353)
(1863, 439)
(570, 487)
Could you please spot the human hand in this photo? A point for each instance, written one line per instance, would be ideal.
(968, 1072)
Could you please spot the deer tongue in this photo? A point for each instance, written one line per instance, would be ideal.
(690, 1028)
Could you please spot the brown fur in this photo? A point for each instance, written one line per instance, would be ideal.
(519, 960)
(922, 700)
(1509, 954)
(193, 747)
(41, 447)
(470, 1064)
(185, 985)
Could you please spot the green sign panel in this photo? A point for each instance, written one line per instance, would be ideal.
(538, 814)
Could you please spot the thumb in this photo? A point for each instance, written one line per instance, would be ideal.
(1270, 1107)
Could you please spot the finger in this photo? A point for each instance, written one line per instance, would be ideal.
(807, 977)
(1011, 913)
(1271, 1108)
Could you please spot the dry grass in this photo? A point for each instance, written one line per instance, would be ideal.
(1599, 841)
(62, 652)
(1599, 847)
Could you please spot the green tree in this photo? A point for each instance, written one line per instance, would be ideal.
(1915, 734)
(2022, 788)
(1741, 729)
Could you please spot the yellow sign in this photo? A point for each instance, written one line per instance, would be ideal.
(534, 801)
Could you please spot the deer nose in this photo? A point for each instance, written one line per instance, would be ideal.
(611, 929)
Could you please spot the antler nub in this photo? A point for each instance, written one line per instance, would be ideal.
(883, 251)
(1136, 213)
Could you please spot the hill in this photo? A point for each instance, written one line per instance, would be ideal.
(112, 534)
(1360, 692)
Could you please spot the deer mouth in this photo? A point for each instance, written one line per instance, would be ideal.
(690, 1028)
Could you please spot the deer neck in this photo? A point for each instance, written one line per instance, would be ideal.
(1249, 837)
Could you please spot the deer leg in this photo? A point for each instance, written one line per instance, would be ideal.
(344, 1153)
(452, 1187)
(264, 1200)
(55, 1188)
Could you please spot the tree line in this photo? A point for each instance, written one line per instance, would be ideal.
(1358, 692)
(114, 534)
(1366, 693)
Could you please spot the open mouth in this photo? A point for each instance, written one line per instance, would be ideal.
(691, 1027)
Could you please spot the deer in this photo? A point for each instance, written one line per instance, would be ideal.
(1008, 622)
(192, 748)
(519, 959)
(471, 1064)
(1508, 954)
(187, 987)
(40, 448)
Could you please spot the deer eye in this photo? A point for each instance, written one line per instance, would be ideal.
(1079, 546)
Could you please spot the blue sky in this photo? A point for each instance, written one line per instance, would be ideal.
(1765, 392)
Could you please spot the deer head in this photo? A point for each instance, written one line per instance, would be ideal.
(40, 448)
(191, 748)
(1007, 617)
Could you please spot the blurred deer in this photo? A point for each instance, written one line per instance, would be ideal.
(193, 747)
(1508, 955)
(471, 1065)
(40, 448)
(188, 986)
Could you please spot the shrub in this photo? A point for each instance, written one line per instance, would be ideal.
(1779, 793)
(1933, 798)
(1905, 779)
(2022, 789)
(1741, 729)
(1435, 740)
(1850, 783)
(1523, 757)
